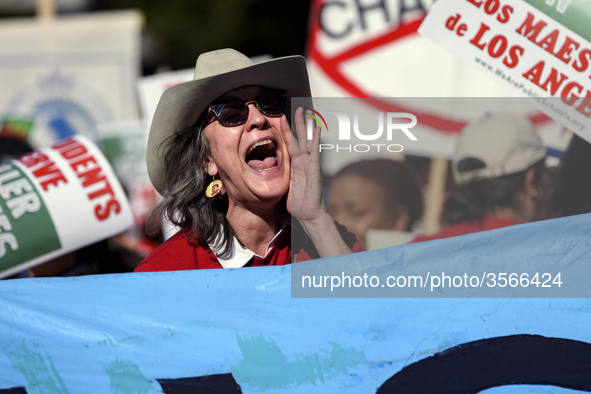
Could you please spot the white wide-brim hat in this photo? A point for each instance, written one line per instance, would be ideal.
(216, 73)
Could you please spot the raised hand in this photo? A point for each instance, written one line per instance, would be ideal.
(305, 199)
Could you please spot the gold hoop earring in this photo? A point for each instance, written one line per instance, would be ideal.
(214, 188)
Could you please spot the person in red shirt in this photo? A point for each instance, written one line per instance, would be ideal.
(232, 176)
(499, 167)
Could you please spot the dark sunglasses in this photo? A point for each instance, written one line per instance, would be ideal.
(235, 111)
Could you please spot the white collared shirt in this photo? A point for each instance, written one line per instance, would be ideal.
(241, 254)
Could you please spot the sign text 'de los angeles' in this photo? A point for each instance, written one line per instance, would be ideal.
(532, 48)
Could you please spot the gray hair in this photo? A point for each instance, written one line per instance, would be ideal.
(184, 202)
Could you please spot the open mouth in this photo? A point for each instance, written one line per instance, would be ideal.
(262, 156)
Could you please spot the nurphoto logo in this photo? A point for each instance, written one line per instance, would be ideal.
(395, 121)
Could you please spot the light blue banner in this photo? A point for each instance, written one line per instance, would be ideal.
(147, 332)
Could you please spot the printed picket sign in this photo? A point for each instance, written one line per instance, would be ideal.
(151, 87)
(534, 49)
(363, 49)
(56, 200)
(69, 85)
(372, 50)
(240, 331)
(124, 145)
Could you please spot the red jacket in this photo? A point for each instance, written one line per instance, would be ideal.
(183, 252)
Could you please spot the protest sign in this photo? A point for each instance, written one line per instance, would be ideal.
(372, 50)
(151, 87)
(70, 73)
(56, 200)
(240, 331)
(540, 51)
(124, 145)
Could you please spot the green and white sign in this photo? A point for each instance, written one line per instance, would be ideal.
(56, 200)
(27, 229)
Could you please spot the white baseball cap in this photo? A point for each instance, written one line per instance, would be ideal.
(499, 144)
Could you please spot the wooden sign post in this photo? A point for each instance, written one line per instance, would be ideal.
(46, 9)
(435, 195)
